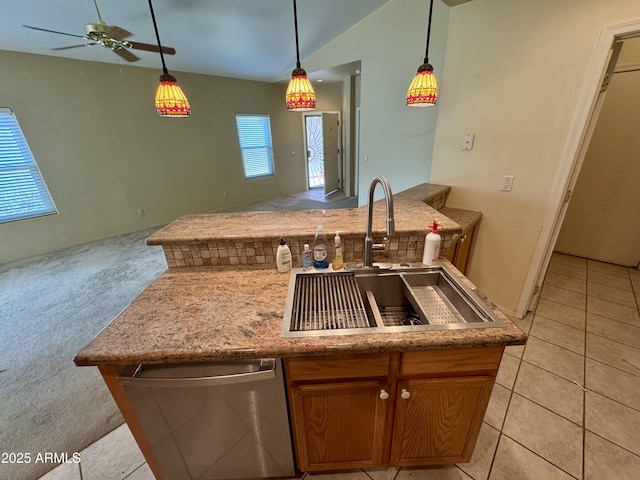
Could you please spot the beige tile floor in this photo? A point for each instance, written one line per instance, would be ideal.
(566, 405)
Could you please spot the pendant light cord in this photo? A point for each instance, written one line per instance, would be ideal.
(426, 54)
(97, 10)
(155, 27)
(295, 22)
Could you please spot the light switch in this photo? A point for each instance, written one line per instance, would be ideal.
(467, 141)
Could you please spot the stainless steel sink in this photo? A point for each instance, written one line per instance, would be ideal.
(395, 298)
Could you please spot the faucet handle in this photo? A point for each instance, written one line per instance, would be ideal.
(381, 246)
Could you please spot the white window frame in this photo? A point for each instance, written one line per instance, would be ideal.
(23, 192)
(256, 146)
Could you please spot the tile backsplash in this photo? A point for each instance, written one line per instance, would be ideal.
(263, 251)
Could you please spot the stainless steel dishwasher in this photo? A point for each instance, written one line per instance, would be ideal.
(221, 420)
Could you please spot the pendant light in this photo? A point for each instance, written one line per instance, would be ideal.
(423, 91)
(300, 96)
(170, 99)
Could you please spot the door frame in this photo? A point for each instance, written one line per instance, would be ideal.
(356, 159)
(573, 155)
(304, 140)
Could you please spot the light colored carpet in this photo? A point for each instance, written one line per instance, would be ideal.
(50, 307)
(53, 305)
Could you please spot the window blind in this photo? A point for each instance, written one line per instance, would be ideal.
(254, 134)
(23, 193)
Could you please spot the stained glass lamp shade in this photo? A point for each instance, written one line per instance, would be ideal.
(300, 96)
(170, 99)
(423, 91)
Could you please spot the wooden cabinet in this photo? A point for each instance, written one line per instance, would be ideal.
(437, 420)
(461, 251)
(411, 409)
(344, 424)
(340, 409)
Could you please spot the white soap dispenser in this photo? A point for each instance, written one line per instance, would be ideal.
(432, 244)
(283, 257)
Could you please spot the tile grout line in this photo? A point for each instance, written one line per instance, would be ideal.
(539, 456)
(614, 443)
(617, 369)
(586, 297)
(584, 376)
(511, 392)
(550, 411)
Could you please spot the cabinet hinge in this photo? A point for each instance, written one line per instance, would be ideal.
(536, 290)
(567, 196)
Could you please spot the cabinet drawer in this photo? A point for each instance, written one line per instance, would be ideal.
(332, 367)
(451, 362)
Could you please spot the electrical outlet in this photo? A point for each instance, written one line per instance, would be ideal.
(225, 194)
(467, 141)
(507, 183)
(141, 211)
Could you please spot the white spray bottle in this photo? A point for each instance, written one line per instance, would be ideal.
(432, 244)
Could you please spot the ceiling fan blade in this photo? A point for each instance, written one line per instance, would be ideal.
(74, 46)
(53, 31)
(152, 48)
(117, 33)
(125, 53)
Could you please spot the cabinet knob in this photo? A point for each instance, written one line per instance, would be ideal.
(383, 395)
(405, 394)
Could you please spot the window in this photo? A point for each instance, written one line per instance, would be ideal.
(23, 193)
(254, 133)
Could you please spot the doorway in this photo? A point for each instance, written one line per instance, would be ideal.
(576, 165)
(322, 146)
(606, 192)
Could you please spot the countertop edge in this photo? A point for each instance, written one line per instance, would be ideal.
(421, 196)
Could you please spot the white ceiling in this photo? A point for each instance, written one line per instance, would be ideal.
(250, 39)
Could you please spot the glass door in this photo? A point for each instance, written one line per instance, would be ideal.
(315, 150)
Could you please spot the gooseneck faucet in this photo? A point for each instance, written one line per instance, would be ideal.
(369, 246)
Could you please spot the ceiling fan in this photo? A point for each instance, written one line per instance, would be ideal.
(111, 37)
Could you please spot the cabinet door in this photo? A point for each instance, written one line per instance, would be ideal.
(462, 257)
(341, 425)
(438, 420)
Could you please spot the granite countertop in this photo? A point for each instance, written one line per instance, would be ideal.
(203, 313)
(197, 314)
(411, 209)
(465, 218)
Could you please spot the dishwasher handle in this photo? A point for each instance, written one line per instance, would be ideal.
(266, 370)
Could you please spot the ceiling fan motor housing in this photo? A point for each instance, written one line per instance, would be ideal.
(99, 27)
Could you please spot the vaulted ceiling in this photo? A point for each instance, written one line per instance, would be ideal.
(250, 39)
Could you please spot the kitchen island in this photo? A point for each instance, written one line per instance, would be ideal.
(222, 298)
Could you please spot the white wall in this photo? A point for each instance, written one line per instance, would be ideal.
(104, 152)
(513, 75)
(397, 141)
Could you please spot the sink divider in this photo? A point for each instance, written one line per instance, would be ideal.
(374, 309)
